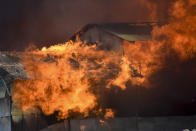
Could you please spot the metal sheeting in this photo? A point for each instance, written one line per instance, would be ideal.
(10, 66)
(12, 118)
(125, 31)
(63, 126)
(15, 69)
(133, 37)
(5, 123)
(29, 122)
(2, 89)
(177, 123)
(5, 107)
(5, 116)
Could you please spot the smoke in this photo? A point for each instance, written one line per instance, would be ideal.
(159, 10)
(47, 22)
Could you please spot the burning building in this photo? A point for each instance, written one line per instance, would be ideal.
(132, 104)
(112, 35)
(143, 74)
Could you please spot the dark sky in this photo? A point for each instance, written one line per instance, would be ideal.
(49, 21)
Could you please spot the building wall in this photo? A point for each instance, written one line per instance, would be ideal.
(177, 123)
(5, 107)
(104, 39)
(5, 116)
(12, 118)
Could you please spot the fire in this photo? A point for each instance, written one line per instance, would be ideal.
(123, 76)
(61, 77)
(109, 113)
(101, 122)
(82, 127)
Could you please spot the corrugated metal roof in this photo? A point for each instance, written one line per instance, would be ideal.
(2, 89)
(130, 31)
(125, 31)
(133, 37)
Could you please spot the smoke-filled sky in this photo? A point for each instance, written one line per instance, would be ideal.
(43, 22)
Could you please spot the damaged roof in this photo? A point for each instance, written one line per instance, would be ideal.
(125, 31)
(10, 64)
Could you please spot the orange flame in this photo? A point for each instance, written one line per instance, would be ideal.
(109, 113)
(59, 78)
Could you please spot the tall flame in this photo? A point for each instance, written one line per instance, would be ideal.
(59, 78)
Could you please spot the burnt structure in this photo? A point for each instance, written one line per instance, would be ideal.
(111, 36)
(138, 108)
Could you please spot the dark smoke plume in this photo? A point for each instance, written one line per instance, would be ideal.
(46, 22)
